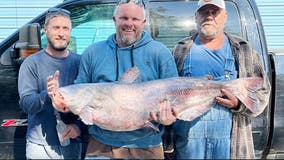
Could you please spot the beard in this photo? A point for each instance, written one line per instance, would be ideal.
(128, 41)
(208, 32)
(56, 47)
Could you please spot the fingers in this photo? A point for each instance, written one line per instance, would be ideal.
(58, 103)
(230, 101)
(50, 87)
(49, 78)
(153, 116)
(228, 94)
(66, 133)
(57, 99)
(52, 84)
(56, 75)
(165, 115)
(72, 131)
(165, 109)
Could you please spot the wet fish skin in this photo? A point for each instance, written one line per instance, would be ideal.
(126, 106)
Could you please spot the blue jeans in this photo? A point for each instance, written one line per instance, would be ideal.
(38, 151)
(204, 148)
(206, 137)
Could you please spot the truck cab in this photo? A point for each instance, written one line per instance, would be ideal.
(168, 21)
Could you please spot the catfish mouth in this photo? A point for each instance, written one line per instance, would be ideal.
(58, 102)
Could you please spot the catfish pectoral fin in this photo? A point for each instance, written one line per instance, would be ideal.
(148, 124)
(86, 115)
(247, 90)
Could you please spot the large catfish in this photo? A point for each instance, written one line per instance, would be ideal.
(126, 106)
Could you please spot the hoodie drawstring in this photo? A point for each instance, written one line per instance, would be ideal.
(117, 64)
(116, 56)
(131, 56)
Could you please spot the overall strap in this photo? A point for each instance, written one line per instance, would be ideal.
(229, 66)
(230, 63)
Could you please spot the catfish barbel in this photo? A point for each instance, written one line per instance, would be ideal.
(126, 105)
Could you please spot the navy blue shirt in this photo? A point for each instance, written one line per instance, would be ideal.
(34, 99)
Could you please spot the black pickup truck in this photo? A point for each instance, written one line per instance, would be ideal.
(168, 22)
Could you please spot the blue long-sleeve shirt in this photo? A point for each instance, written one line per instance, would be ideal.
(34, 99)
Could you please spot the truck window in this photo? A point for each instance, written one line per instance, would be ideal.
(167, 24)
(91, 23)
(172, 21)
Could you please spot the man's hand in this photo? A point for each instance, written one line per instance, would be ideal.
(52, 84)
(230, 101)
(59, 104)
(165, 115)
(57, 100)
(72, 131)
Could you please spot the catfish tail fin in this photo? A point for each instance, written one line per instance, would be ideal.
(245, 90)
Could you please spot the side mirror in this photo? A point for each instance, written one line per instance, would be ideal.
(29, 41)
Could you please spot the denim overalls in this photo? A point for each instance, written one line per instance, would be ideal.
(208, 136)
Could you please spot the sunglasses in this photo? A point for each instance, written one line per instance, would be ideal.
(53, 10)
(137, 2)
